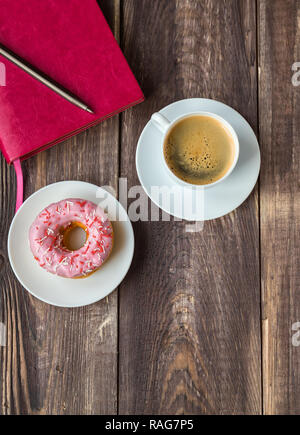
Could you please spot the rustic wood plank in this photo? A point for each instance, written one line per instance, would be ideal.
(60, 361)
(279, 101)
(189, 336)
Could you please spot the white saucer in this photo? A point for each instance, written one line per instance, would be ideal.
(218, 200)
(60, 291)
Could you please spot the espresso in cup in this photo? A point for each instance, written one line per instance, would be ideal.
(199, 150)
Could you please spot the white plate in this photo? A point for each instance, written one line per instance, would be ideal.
(218, 200)
(65, 292)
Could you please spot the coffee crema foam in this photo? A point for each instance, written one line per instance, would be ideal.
(199, 150)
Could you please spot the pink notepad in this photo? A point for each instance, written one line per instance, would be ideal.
(70, 42)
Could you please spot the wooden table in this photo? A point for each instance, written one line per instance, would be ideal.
(202, 324)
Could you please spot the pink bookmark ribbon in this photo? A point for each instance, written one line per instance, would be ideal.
(19, 174)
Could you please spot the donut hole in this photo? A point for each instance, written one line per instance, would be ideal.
(74, 236)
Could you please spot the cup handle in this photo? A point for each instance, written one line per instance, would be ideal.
(161, 122)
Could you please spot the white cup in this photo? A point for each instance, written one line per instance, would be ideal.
(165, 126)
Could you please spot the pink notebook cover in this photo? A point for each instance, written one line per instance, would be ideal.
(70, 42)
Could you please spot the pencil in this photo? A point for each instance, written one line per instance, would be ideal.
(43, 79)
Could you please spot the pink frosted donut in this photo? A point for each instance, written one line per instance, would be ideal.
(48, 232)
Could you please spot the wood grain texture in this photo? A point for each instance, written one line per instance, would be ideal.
(189, 335)
(184, 333)
(60, 361)
(279, 102)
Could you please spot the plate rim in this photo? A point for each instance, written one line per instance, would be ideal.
(20, 279)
